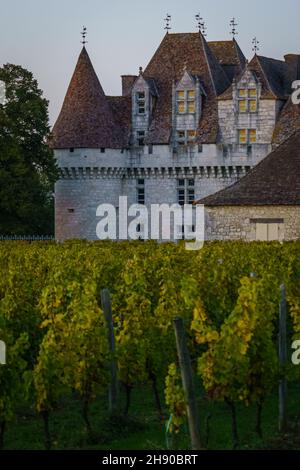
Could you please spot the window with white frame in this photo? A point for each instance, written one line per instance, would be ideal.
(247, 136)
(184, 137)
(185, 191)
(247, 100)
(186, 101)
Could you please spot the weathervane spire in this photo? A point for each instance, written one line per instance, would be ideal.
(233, 25)
(83, 34)
(201, 25)
(168, 22)
(255, 43)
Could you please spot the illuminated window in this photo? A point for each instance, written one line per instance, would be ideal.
(253, 105)
(242, 136)
(243, 106)
(141, 102)
(181, 101)
(247, 99)
(247, 136)
(186, 137)
(191, 107)
(191, 135)
(181, 107)
(252, 136)
(186, 101)
(191, 97)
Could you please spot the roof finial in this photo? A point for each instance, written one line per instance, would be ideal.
(255, 43)
(83, 34)
(140, 70)
(233, 25)
(168, 21)
(201, 24)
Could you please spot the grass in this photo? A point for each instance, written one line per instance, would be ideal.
(143, 429)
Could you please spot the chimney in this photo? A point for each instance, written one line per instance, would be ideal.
(127, 84)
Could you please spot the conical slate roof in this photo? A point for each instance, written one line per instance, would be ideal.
(86, 119)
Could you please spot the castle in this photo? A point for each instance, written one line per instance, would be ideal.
(193, 122)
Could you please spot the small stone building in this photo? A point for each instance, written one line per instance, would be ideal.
(264, 205)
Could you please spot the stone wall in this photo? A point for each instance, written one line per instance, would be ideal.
(76, 200)
(89, 178)
(239, 222)
(76, 203)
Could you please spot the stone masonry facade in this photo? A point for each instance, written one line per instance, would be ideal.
(243, 222)
(197, 120)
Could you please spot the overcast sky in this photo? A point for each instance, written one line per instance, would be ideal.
(44, 36)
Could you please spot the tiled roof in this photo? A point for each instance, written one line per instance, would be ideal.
(86, 118)
(121, 107)
(176, 52)
(90, 119)
(288, 122)
(230, 57)
(274, 75)
(274, 181)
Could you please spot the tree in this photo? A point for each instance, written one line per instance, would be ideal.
(27, 166)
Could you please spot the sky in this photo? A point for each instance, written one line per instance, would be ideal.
(44, 36)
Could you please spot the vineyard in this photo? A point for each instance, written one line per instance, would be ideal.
(59, 356)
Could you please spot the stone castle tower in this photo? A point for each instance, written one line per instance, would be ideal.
(193, 122)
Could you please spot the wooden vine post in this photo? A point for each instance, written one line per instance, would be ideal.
(282, 351)
(188, 384)
(113, 388)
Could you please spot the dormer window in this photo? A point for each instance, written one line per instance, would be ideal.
(181, 102)
(247, 136)
(141, 102)
(247, 100)
(191, 97)
(186, 137)
(191, 136)
(186, 101)
(252, 136)
(181, 137)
